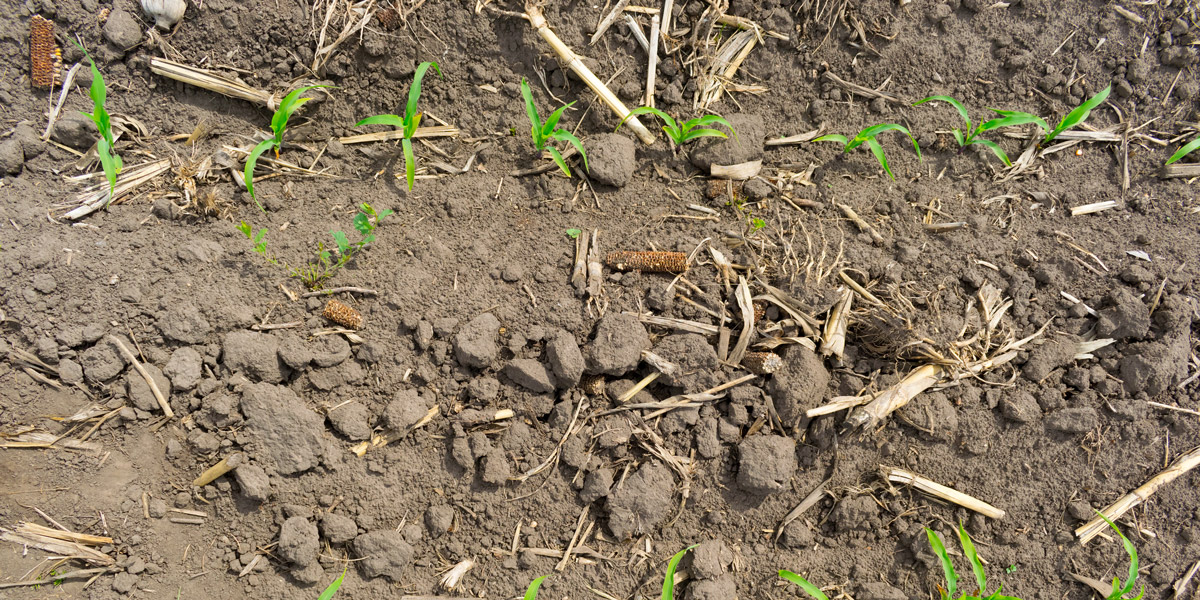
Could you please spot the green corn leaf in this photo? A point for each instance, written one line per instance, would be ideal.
(534, 118)
(343, 244)
(566, 136)
(935, 543)
(958, 137)
(808, 588)
(833, 137)
(671, 127)
(410, 162)
(392, 120)
(531, 592)
(414, 94)
(699, 133)
(668, 589)
(1184, 150)
(1118, 590)
(251, 160)
(333, 587)
(362, 223)
(551, 123)
(111, 164)
(1079, 115)
(290, 104)
(709, 120)
(559, 160)
(973, 557)
(877, 150)
(996, 149)
(1011, 118)
(962, 110)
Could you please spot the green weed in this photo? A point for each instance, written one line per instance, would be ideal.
(867, 136)
(808, 588)
(409, 122)
(968, 547)
(532, 591)
(681, 133)
(105, 146)
(668, 587)
(1184, 150)
(333, 587)
(544, 132)
(290, 104)
(1079, 115)
(1119, 591)
(971, 134)
(324, 266)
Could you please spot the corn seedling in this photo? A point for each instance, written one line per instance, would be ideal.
(543, 132)
(970, 135)
(532, 591)
(1119, 591)
(808, 588)
(409, 122)
(668, 587)
(681, 133)
(867, 136)
(951, 589)
(333, 587)
(105, 146)
(290, 104)
(1184, 150)
(1079, 115)
(324, 266)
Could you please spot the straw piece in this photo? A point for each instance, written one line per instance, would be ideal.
(95, 198)
(1094, 207)
(938, 490)
(226, 465)
(212, 81)
(738, 172)
(617, 11)
(746, 303)
(918, 380)
(396, 134)
(158, 395)
(1125, 503)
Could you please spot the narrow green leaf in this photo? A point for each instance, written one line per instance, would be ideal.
(699, 133)
(958, 137)
(290, 104)
(392, 120)
(532, 591)
(877, 150)
(1118, 590)
(1184, 150)
(1079, 115)
(410, 166)
(383, 213)
(670, 127)
(109, 162)
(709, 120)
(832, 137)
(333, 587)
(973, 558)
(668, 589)
(996, 149)
(1012, 118)
(552, 121)
(566, 136)
(935, 543)
(251, 160)
(559, 160)
(414, 92)
(808, 588)
(534, 117)
(962, 110)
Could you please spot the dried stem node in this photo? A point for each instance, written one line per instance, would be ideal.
(650, 262)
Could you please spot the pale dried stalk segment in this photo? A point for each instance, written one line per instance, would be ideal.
(1125, 503)
(928, 486)
(225, 465)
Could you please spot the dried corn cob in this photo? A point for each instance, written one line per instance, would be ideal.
(650, 262)
(762, 363)
(45, 58)
(760, 311)
(592, 385)
(342, 315)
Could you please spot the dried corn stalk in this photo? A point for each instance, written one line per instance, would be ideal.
(45, 57)
(648, 262)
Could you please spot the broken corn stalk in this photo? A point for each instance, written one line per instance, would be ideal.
(650, 262)
(342, 315)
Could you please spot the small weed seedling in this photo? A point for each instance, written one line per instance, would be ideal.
(532, 591)
(1079, 115)
(333, 587)
(409, 122)
(968, 547)
(1184, 150)
(1119, 591)
(868, 136)
(105, 149)
(290, 104)
(808, 588)
(971, 134)
(544, 132)
(324, 266)
(682, 133)
(668, 587)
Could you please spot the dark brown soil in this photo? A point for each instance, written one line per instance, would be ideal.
(475, 312)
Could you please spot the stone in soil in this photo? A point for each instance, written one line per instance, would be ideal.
(766, 463)
(139, 391)
(565, 358)
(1126, 316)
(255, 355)
(1073, 420)
(184, 369)
(75, 130)
(746, 146)
(1051, 354)
(338, 529)
(596, 485)
(856, 513)
(611, 159)
(475, 344)
(404, 410)
(530, 374)
(616, 348)
(382, 554)
(283, 428)
(298, 542)
(351, 420)
(699, 368)
(122, 29)
(438, 519)
(254, 483)
(642, 503)
(799, 385)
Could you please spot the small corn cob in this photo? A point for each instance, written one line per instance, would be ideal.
(45, 58)
(760, 311)
(592, 385)
(389, 18)
(650, 262)
(342, 315)
(762, 363)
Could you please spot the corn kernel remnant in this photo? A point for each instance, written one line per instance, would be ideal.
(45, 58)
(760, 311)
(342, 315)
(762, 363)
(650, 262)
